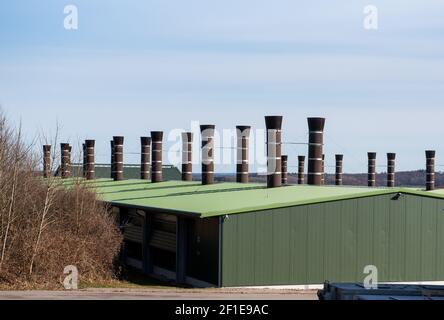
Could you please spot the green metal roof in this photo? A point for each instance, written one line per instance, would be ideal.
(227, 198)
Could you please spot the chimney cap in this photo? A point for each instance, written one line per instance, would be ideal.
(243, 128)
(207, 130)
(90, 143)
(371, 155)
(64, 146)
(207, 126)
(145, 140)
(273, 122)
(316, 123)
(391, 156)
(118, 139)
(156, 135)
(339, 157)
(301, 158)
(243, 131)
(284, 157)
(47, 147)
(430, 153)
(188, 136)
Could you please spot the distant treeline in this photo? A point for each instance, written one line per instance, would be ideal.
(403, 178)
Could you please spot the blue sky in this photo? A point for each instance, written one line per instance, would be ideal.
(135, 66)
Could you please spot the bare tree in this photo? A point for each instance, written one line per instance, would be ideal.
(47, 224)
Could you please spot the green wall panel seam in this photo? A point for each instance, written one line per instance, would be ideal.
(436, 240)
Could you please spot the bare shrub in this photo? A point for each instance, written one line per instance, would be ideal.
(47, 224)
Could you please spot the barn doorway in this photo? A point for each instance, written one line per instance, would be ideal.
(162, 244)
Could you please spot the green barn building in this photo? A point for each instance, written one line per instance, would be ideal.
(243, 234)
(232, 234)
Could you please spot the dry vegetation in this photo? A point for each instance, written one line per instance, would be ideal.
(45, 226)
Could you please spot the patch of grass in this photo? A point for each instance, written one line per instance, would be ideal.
(131, 279)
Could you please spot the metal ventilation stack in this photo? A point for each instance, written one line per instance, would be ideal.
(391, 158)
(315, 148)
(284, 170)
(339, 169)
(301, 169)
(156, 159)
(46, 161)
(69, 161)
(430, 180)
(371, 177)
(274, 151)
(207, 132)
(323, 170)
(65, 160)
(112, 159)
(187, 156)
(243, 141)
(145, 156)
(84, 160)
(118, 158)
(90, 159)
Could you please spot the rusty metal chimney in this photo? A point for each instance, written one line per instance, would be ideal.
(284, 170)
(371, 169)
(339, 169)
(46, 161)
(65, 163)
(69, 161)
(145, 162)
(430, 181)
(243, 141)
(391, 157)
(315, 147)
(118, 158)
(90, 159)
(112, 159)
(323, 169)
(301, 169)
(187, 156)
(84, 160)
(207, 132)
(274, 151)
(156, 158)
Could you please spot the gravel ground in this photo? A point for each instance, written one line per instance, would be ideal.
(162, 294)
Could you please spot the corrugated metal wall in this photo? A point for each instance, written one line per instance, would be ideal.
(334, 241)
